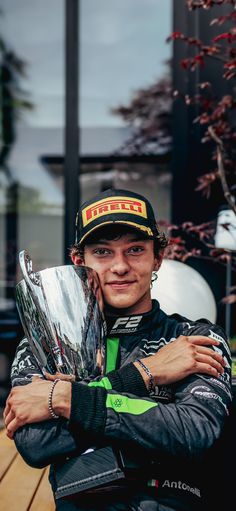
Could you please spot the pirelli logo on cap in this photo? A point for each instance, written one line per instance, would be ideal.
(112, 206)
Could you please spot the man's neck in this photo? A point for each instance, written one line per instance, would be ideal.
(129, 311)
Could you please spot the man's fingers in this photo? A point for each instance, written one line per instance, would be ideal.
(202, 340)
(208, 369)
(12, 427)
(61, 376)
(6, 410)
(9, 434)
(210, 361)
(36, 378)
(207, 360)
(211, 353)
(8, 417)
(51, 377)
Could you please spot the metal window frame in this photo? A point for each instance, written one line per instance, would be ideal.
(71, 167)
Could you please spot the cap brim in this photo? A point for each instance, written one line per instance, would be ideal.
(146, 231)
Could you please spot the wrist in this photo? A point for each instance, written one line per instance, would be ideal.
(61, 399)
(143, 374)
(146, 374)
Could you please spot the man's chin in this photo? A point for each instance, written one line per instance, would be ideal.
(119, 304)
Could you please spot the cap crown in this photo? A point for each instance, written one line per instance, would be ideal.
(116, 206)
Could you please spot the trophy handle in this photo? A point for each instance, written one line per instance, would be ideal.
(29, 275)
(34, 279)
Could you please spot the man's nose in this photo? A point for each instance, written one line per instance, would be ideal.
(120, 264)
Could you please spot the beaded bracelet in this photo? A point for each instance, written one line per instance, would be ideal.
(151, 385)
(52, 413)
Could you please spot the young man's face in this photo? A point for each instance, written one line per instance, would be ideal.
(124, 266)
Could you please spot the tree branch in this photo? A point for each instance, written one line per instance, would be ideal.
(220, 162)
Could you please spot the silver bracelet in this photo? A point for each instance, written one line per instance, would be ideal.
(151, 385)
(52, 413)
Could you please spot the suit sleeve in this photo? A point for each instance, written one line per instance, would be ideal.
(47, 442)
(185, 427)
(41, 443)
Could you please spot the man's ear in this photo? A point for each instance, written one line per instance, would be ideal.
(77, 260)
(157, 261)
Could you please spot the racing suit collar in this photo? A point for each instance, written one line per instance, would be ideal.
(128, 324)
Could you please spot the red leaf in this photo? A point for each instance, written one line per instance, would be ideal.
(199, 58)
(175, 35)
(204, 85)
(227, 35)
(184, 63)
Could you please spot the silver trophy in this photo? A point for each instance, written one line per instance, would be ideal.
(61, 311)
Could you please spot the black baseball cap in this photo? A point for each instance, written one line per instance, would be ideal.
(115, 207)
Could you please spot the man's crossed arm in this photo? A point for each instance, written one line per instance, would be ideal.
(173, 362)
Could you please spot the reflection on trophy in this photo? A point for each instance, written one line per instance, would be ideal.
(61, 310)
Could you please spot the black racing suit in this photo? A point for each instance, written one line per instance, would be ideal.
(176, 426)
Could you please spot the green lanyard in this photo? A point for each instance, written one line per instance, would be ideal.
(112, 346)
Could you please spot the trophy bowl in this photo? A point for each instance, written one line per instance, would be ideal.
(61, 311)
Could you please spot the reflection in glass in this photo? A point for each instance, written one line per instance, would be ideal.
(123, 51)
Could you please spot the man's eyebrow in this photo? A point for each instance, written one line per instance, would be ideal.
(106, 241)
(97, 242)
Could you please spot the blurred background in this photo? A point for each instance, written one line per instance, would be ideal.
(87, 103)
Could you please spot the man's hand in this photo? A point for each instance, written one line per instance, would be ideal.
(61, 376)
(29, 403)
(182, 357)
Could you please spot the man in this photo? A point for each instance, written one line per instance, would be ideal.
(165, 396)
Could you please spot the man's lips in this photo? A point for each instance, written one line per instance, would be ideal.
(119, 284)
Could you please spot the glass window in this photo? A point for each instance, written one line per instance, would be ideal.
(32, 123)
(123, 48)
(125, 63)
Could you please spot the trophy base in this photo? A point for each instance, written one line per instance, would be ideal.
(94, 471)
